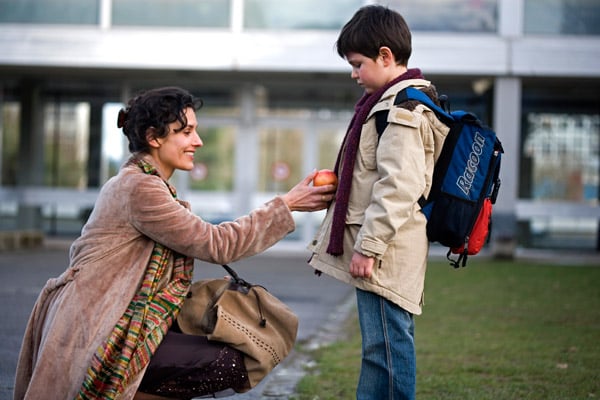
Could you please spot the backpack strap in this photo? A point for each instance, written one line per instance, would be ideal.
(411, 93)
(407, 94)
(381, 121)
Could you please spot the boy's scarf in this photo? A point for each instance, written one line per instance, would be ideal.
(140, 330)
(344, 165)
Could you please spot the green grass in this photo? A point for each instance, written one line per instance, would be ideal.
(490, 331)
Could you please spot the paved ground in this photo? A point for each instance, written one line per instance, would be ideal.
(320, 303)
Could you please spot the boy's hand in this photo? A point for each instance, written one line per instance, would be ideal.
(361, 266)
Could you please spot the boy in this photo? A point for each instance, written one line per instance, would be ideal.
(373, 236)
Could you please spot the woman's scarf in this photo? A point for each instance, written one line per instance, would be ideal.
(344, 165)
(140, 330)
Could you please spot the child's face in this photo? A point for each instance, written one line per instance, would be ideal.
(368, 73)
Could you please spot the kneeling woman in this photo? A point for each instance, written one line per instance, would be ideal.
(95, 329)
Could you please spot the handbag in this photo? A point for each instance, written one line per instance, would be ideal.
(243, 315)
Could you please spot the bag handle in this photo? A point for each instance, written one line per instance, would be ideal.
(239, 281)
(236, 277)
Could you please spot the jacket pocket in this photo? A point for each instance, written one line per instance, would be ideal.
(367, 149)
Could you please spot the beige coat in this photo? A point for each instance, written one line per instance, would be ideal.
(384, 219)
(76, 311)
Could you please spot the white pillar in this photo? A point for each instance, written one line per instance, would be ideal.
(30, 163)
(246, 153)
(507, 124)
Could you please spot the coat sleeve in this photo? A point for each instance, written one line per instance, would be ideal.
(155, 213)
(404, 169)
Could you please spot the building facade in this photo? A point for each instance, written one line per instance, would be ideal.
(278, 100)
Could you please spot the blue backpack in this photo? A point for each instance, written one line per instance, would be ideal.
(465, 180)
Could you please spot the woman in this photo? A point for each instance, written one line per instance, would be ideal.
(95, 328)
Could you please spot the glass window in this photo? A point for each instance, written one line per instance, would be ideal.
(329, 142)
(280, 163)
(562, 233)
(9, 142)
(66, 129)
(448, 15)
(571, 17)
(49, 11)
(114, 142)
(475, 96)
(563, 153)
(560, 162)
(214, 161)
(175, 13)
(306, 14)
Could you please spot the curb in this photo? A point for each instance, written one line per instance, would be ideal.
(282, 384)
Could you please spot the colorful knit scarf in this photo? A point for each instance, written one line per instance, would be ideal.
(344, 166)
(140, 330)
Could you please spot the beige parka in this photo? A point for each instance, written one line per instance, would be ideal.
(76, 311)
(384, 218)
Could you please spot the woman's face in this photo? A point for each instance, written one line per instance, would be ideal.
(176, 150)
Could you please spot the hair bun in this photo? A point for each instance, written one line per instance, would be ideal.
(121, 118)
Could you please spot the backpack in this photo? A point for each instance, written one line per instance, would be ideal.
(465, 180)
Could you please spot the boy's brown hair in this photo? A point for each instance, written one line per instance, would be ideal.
(373, 27)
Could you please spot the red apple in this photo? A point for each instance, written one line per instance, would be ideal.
(325, 177)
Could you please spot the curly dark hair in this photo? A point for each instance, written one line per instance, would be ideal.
(154, 109)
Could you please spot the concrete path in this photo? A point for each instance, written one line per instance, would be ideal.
(319, 302)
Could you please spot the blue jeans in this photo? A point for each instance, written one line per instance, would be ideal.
(388, 370)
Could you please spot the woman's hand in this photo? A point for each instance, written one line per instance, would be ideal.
(305, 197)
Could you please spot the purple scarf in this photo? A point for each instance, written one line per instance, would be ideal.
(344, 166)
